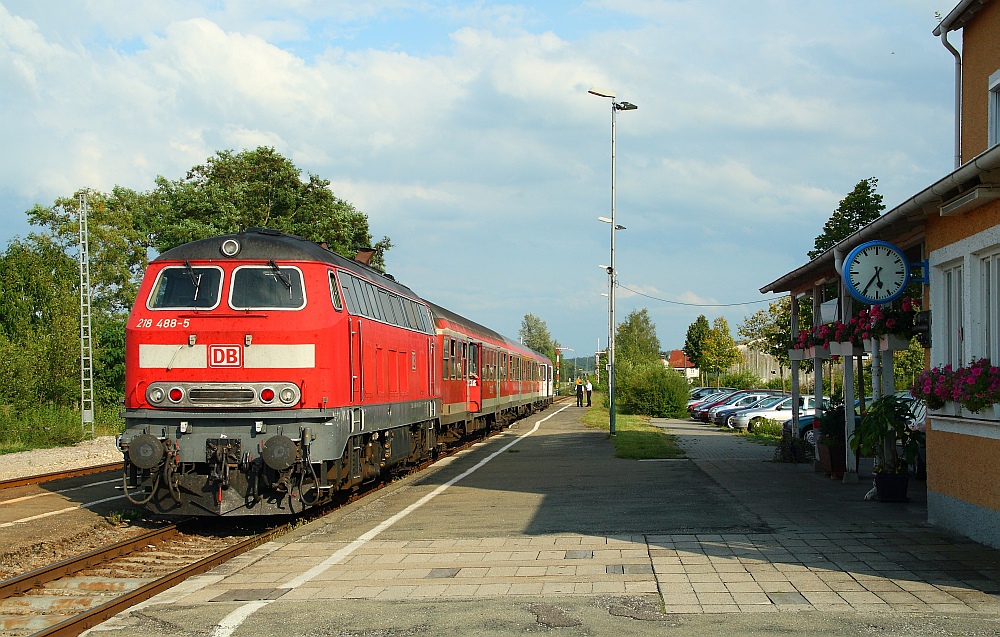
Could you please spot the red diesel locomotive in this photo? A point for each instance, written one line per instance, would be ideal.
(266, 374)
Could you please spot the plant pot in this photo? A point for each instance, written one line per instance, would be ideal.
(833, 459)
(796, 354)
(892, 486)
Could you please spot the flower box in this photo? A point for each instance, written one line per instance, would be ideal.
(846, 348)
(893, 343)
(796, 354)
(818, 351)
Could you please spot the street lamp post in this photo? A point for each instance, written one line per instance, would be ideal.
(615, 107)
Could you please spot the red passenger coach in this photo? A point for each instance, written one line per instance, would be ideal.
(266, 374)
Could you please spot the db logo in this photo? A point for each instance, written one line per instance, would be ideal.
(225, 356)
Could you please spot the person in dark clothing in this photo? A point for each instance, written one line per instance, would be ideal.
(579, 393)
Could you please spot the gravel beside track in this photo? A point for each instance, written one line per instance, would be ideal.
(38, 461)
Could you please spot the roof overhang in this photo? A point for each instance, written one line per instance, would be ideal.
(969, 185)
(959, 16)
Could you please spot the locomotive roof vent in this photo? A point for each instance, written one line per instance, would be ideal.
(230, 247)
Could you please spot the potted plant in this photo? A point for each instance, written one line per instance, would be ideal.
(832, 442)
(885, 434)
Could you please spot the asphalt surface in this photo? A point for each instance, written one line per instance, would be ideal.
(554, 534)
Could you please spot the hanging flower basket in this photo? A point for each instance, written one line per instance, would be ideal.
(846, 348)
(893, 343)
(796, 354)
(818, 351)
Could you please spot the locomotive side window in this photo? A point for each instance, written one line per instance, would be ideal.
(383, 297)
(335, 293)
(373, 305)
(397, 307)
(359, 294)
(267, 287)
(411, 314)
(186, 287)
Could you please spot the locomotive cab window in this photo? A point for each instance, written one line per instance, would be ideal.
(335, 293)
(186, 287)
(267, 287)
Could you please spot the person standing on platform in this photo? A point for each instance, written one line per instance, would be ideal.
(579, 393)
(589, 389)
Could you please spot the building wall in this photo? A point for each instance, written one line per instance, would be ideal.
(980, 59)
(963, 483)
(943, 231)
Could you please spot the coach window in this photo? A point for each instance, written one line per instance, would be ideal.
(335, 293)
(463, 371)
(269, 287)
(446, 364)
(186, 287)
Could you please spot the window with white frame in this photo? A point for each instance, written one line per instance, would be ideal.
(994, 109)
(953, 312)
(988, 316)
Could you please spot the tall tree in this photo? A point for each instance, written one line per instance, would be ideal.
(635, 339)
(720, 351)
(859, 208)
(694, 342)
(260, 187)
(535, 334)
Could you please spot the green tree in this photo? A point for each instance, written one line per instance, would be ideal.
(907, 364)
(720, 351)
(535, 334)
(859, 208)
(635, 339)
(652, 389)
(39, 322)
(694, 342)
(259, 187)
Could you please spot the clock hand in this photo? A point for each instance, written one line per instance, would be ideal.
(878, 271)
(864, 292)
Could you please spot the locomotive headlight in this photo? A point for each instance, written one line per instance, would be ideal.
(156, 395)
(230, 247)
(287, 395)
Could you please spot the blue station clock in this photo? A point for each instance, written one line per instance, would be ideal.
(876, 272)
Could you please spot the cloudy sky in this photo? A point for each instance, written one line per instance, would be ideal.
(466, 133)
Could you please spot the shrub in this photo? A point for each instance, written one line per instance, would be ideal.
(741, 380)
(650, 389)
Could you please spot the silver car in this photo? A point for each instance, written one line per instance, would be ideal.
(780, 411)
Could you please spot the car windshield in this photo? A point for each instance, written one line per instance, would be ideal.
(269, 286)
(186, 287)
(770, 401)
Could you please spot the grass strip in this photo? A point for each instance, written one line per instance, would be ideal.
(50, 426)
(635, 438)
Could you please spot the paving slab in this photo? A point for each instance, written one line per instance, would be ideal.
(556, 532)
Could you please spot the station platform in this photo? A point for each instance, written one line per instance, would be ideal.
(542, 527)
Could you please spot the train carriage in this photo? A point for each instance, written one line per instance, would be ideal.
(266, 374)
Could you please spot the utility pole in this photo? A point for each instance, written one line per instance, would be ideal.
(86, 342)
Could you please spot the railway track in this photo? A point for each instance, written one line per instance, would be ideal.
(60, 475)
(73, 595)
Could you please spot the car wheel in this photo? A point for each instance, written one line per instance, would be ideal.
(753, 424)
(810, 436)
(731, 421)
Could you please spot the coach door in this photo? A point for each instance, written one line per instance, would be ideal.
(475, 380)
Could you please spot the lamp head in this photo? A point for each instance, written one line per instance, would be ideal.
(625, 106)
(602, 92)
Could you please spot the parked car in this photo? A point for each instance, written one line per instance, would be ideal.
(727, 416)
(700, 412)
(809, 425)
(718, 414)
(698, 394)
(780, 411)
(709, 401)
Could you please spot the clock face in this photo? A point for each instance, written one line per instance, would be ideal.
(876, 272)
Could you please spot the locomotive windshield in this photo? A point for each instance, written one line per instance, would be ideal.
(267, 287)
(186, 287)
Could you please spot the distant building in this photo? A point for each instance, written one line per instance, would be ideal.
(678, 361)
